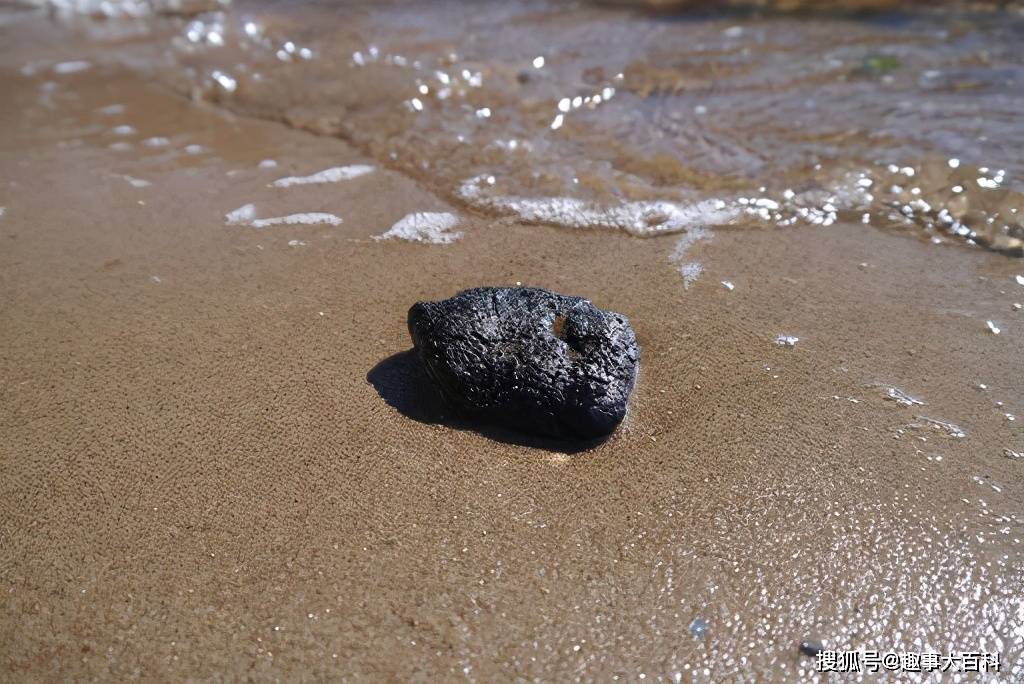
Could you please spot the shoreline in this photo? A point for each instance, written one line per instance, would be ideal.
(200, 480)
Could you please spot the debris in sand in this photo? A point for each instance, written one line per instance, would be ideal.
(950, 429)
(899, 396)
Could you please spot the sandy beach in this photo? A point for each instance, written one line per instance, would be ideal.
(220, 463)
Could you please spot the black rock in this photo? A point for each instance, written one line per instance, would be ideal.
(529, 359)
(811, 648)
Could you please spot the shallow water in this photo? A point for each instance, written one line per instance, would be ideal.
(587, 116)
(590, 116)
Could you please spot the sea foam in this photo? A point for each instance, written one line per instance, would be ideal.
(310, 219)
(641, 218)
(333, 175)
(424, 226)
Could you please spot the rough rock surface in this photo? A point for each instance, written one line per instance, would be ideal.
(529, 359)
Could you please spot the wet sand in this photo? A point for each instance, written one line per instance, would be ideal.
(211, 469)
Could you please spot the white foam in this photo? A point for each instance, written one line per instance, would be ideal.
(123, 130)
(194, 149)
(636, 218)
(116, 9)
(71, 67)
(642, 218)
(312, 218)
(3, 210)
(338, 173)
(267, 164)
(297, 243)
(137, 182)
(786, 340)
(690, 270)
(424, 226)
(29, 69)
(243, 214)
(688, 240)
(111, 110)
(156, 141)
(225, 81)
(100, 8)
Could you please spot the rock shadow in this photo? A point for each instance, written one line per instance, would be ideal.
(402, 382)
